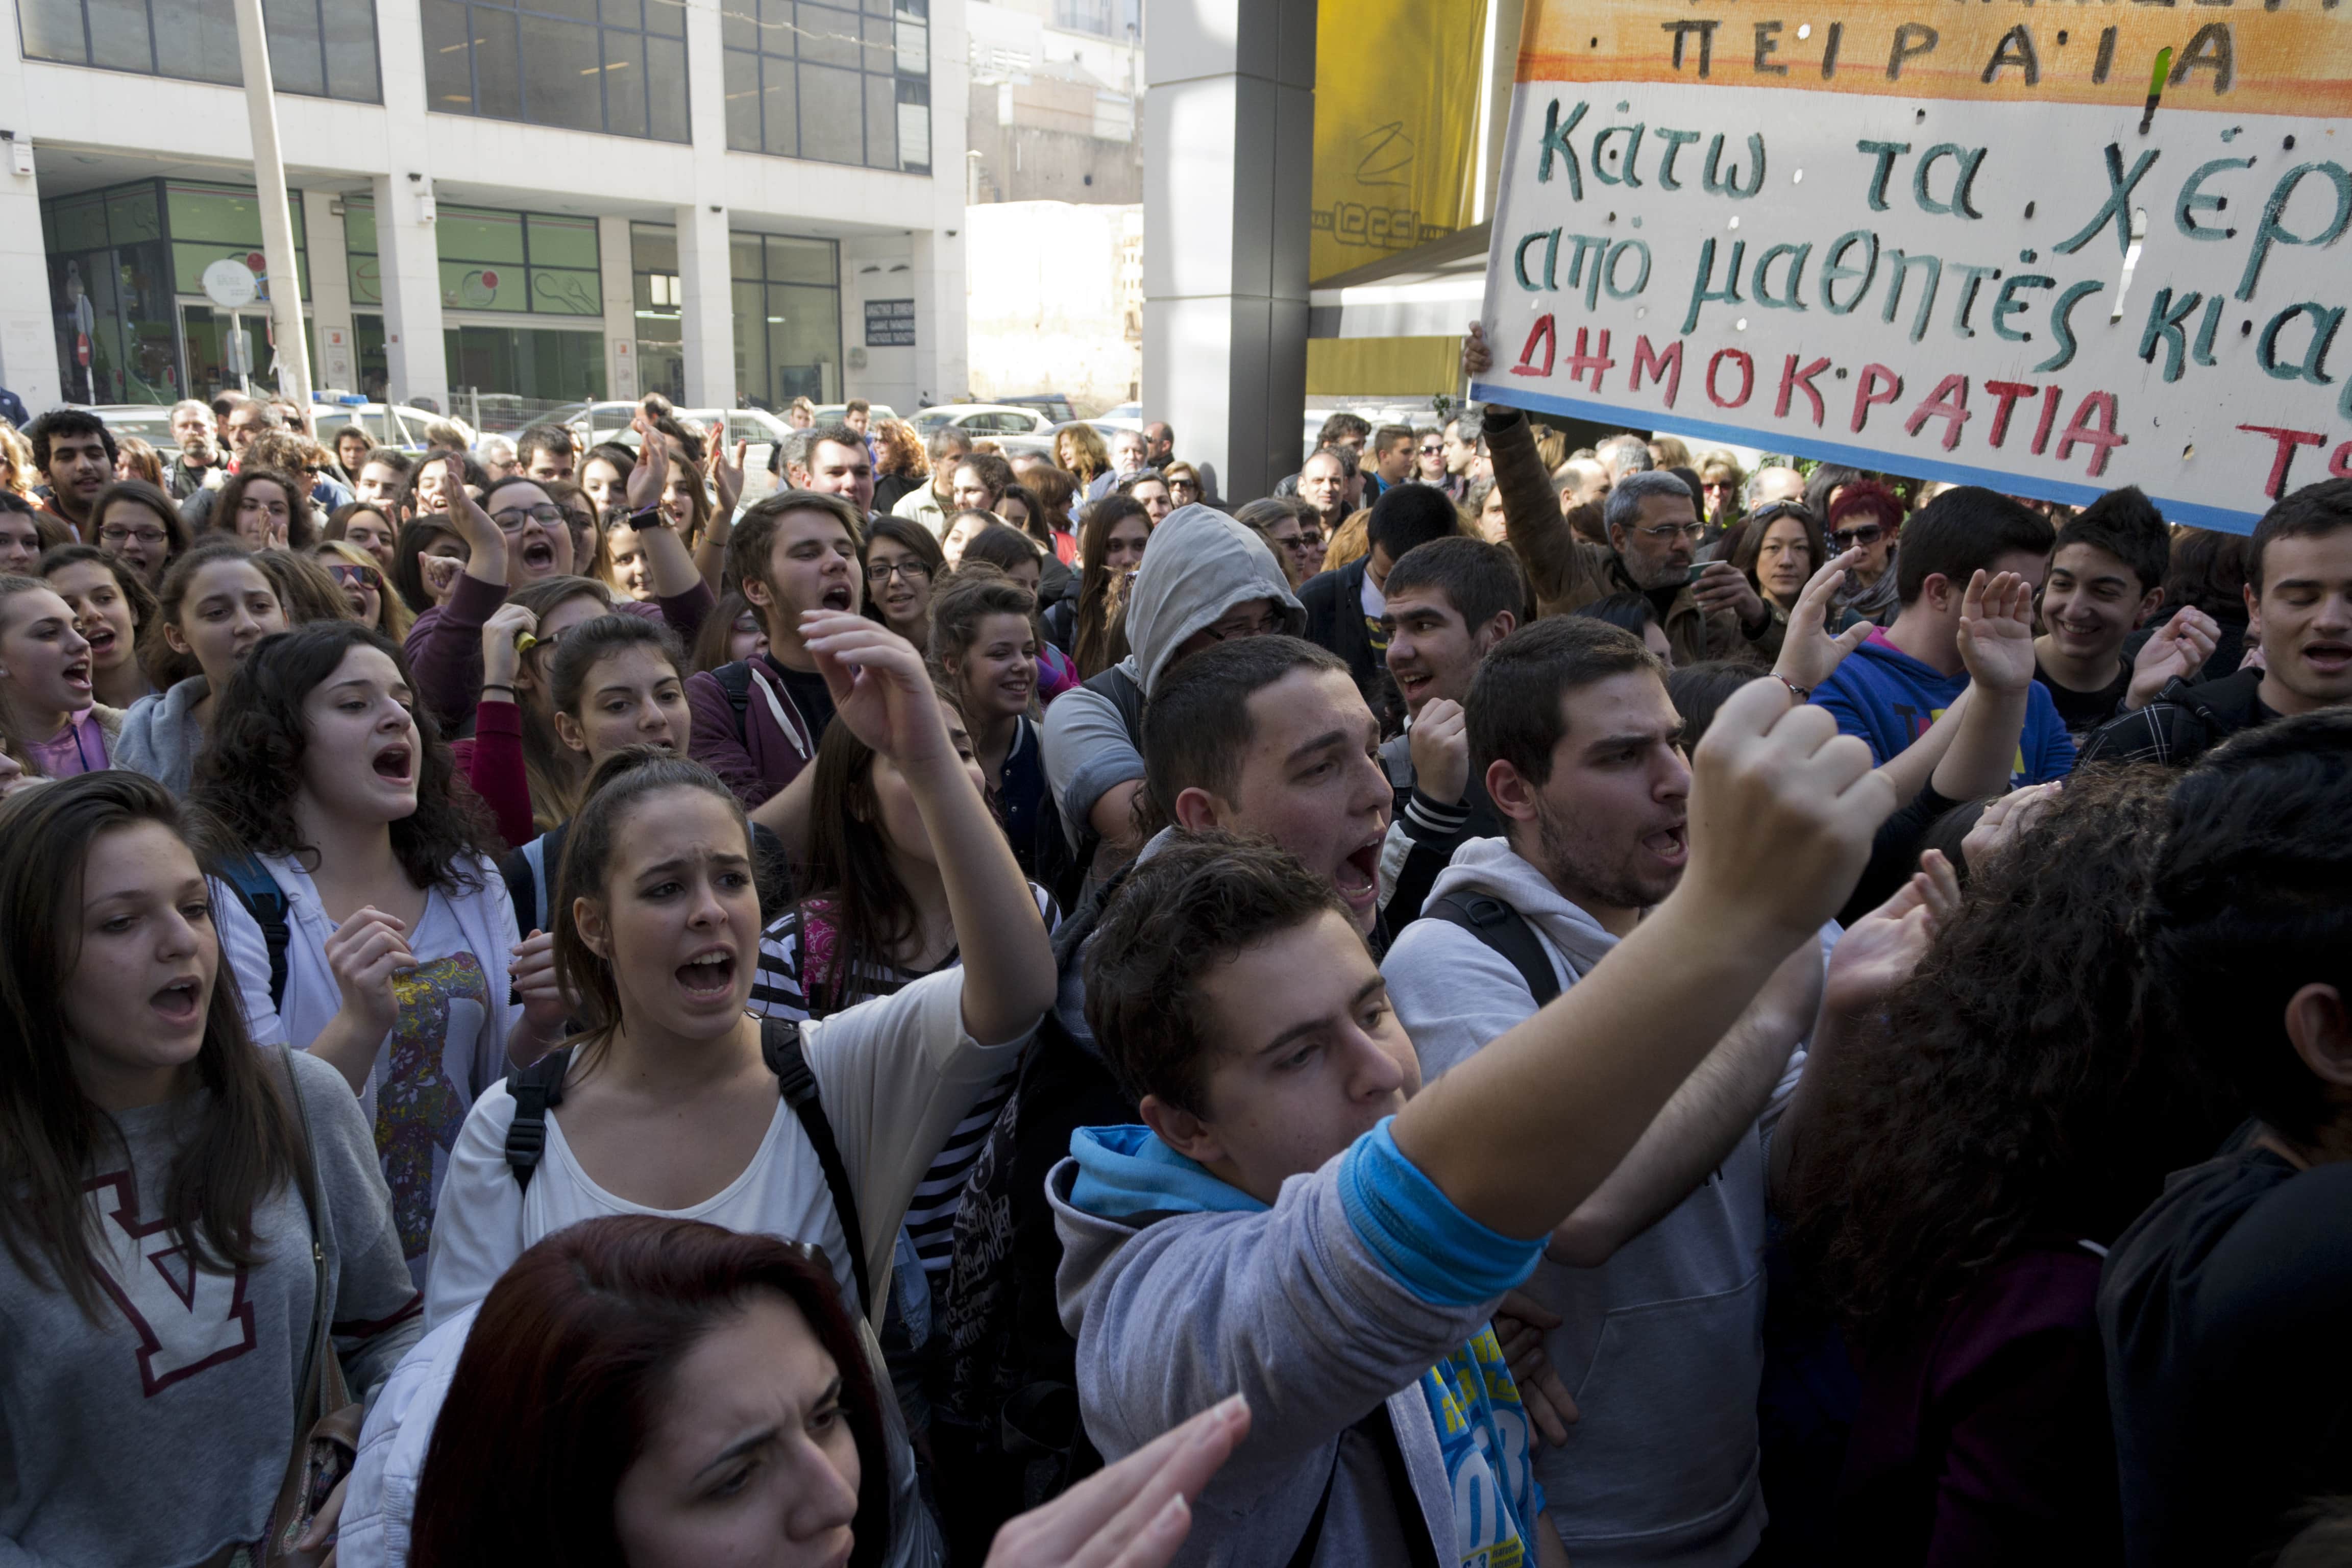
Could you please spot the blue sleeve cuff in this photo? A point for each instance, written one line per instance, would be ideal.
(1428, 1245)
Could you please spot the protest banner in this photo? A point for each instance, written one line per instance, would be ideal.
(2049, 249)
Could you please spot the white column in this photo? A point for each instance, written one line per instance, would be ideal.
(28, 342)
(1230, 123)
(410, 264)
(707, 306)
(330, 293)
(617, 270)
(943, 365)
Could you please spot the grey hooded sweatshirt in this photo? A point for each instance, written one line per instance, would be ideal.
(161, 736)
(1662, 1346)
(1199, 566)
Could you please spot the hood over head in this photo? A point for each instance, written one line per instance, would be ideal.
(1199, 566)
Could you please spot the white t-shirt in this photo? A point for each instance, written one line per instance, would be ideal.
(895, 1076)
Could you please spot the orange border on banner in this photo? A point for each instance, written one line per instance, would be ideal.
(2295, 61)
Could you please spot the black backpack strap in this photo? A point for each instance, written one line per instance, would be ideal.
(537, 1089)
(780, 1044)
(267, 902)
(1505, 929)
(735, 679)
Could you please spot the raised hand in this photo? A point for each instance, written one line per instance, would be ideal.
(1878, 952)
(1477, 359)
(1996, 632)
(486, 542)
(1133, 1515)
(1440, 743)
(500, 658)
(650, 478)
(2006, 818)
(1782, 813)
(2178, 650)
(881, 689)
(439, 572)
(365, 952)
(1809, 655)
(725, 478)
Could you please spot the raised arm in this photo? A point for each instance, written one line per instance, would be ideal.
(1714, 1108)
(1783, 811)
(882, 690)
(669, 567)
(1996, 647)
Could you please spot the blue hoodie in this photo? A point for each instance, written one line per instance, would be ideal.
(1353, 1291)
(1890, 698)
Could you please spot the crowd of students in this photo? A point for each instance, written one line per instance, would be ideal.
(1500, 1005)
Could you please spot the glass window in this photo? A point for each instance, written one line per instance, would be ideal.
(786, 306)
(542, 263)
(617, 67)
(211, 223)
(832, 80)
(318, 48)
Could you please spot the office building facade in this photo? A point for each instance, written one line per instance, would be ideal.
(520, 200)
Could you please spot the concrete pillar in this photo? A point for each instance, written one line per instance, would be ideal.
(28, 342)
(707, 306)
(617, 271)
(1230, 119)
(408, 260)
(331, 339)
(942, 369)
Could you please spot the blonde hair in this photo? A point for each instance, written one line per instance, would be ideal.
(16, 456)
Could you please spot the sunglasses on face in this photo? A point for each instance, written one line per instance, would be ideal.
(1432, 451)
(347, 574)
(1868, 535)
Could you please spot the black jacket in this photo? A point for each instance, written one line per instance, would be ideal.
(2182, 725)
(1335, 620)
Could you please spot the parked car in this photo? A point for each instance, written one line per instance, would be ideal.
(1131, 413)
(150, 422)
(983, 419)
(388, 425)
(1054, 406)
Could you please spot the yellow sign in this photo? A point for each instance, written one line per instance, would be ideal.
(1396, 120)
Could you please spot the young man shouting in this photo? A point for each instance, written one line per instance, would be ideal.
(1293, 1222)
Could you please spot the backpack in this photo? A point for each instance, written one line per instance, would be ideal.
(267, 902)
(1005, 1430)
(1504, 930)
(735, 679)
(539, 1088)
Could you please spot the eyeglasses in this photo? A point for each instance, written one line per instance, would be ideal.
(118, 537)
(1869, 533)
(1667, 532)
(346, 574)
(881, 571)
(511, 521)
(1264, 626)
(1433, 451)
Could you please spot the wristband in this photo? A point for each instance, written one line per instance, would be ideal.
(491, 685)
(648, 517)
(1803, 694)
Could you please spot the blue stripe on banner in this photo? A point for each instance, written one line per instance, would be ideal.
(2195, 514)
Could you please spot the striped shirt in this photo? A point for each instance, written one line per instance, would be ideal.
(788, 966)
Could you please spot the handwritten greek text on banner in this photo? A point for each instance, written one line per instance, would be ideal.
(2053, 250)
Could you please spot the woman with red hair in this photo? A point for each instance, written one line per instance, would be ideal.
(1866, 516)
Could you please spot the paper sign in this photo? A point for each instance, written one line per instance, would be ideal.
(2052, 250)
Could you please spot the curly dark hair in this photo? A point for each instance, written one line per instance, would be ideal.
(247, 776)
(2010, 1090)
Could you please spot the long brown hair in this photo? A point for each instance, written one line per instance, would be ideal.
(1095, 643)
(554, 771)
(242, 1146)
(2012, 1088)
(1087, 443)
(564, 1375)
(165, 665)
(621, 782)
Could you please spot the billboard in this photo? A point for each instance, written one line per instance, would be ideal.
(2052, 250)
(1396, 116)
